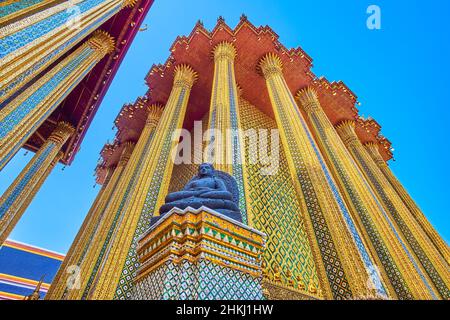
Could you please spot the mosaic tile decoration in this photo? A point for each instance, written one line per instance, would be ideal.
(39, 64)
(26, 35)
(89, 244)
(131, 265)
(275, 210)
(204, 280)
(425, 261)
(202, 255)
(117, 217)
(38, 123)
(394, 274)
(22, 110)
(35, 167)
(16, 6)
(236, 144)
(333, 266)
(184, 172)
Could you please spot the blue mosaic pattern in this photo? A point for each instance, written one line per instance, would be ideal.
(336, 277)
(38, 123)
(440, 285)
(52, 55)
(203, 280)
(131, 264)
(21, 111)
(35, 168)
(16, 6)
(26, 35)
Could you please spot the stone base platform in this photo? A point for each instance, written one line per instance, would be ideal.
(199, 255)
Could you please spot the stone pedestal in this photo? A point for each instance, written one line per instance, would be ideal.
(199, 255)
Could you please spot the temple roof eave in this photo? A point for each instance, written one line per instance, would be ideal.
(339, 101)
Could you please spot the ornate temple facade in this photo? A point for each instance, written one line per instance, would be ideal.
(57, 60)
(323, 216)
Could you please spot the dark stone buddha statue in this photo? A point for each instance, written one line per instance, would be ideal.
(213, 189)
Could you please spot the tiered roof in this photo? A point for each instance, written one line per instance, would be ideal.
(252, 43)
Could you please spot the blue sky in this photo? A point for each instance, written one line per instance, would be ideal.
(400, 73)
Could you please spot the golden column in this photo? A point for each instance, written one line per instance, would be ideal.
(42, 35)
(440, 244)
(146, 195)
(12, 10)
(99, 230)
(225, 140)
(23, 115)
(17, 197)
(341, 266)
(116, 211)
(384, 242)
(97, 248)
(432, 262)
(84, 237)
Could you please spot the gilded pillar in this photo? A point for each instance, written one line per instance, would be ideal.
(149, 187)
(422, 249)
(12, 10)
(24, 114)
(225, 141)
(32, 43)
(99, 232)
(17, 197)
(404, 277)
(83, 238)
(340, 257)
(440, 244)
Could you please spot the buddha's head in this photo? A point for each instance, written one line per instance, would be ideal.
(205, 169)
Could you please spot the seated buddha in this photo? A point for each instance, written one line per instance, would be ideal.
(210, 188)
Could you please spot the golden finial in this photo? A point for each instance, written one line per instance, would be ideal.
(35, 295)
(128, 3)
(308, 99)
(346, 129)
(155, 111)
(372, 146)
(270, 65)
(102, 41)
(224, 50)
(184, 76)
(62, 131)
(126, 153)
(346, 123)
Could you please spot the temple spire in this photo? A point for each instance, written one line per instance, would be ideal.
(35, 295)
